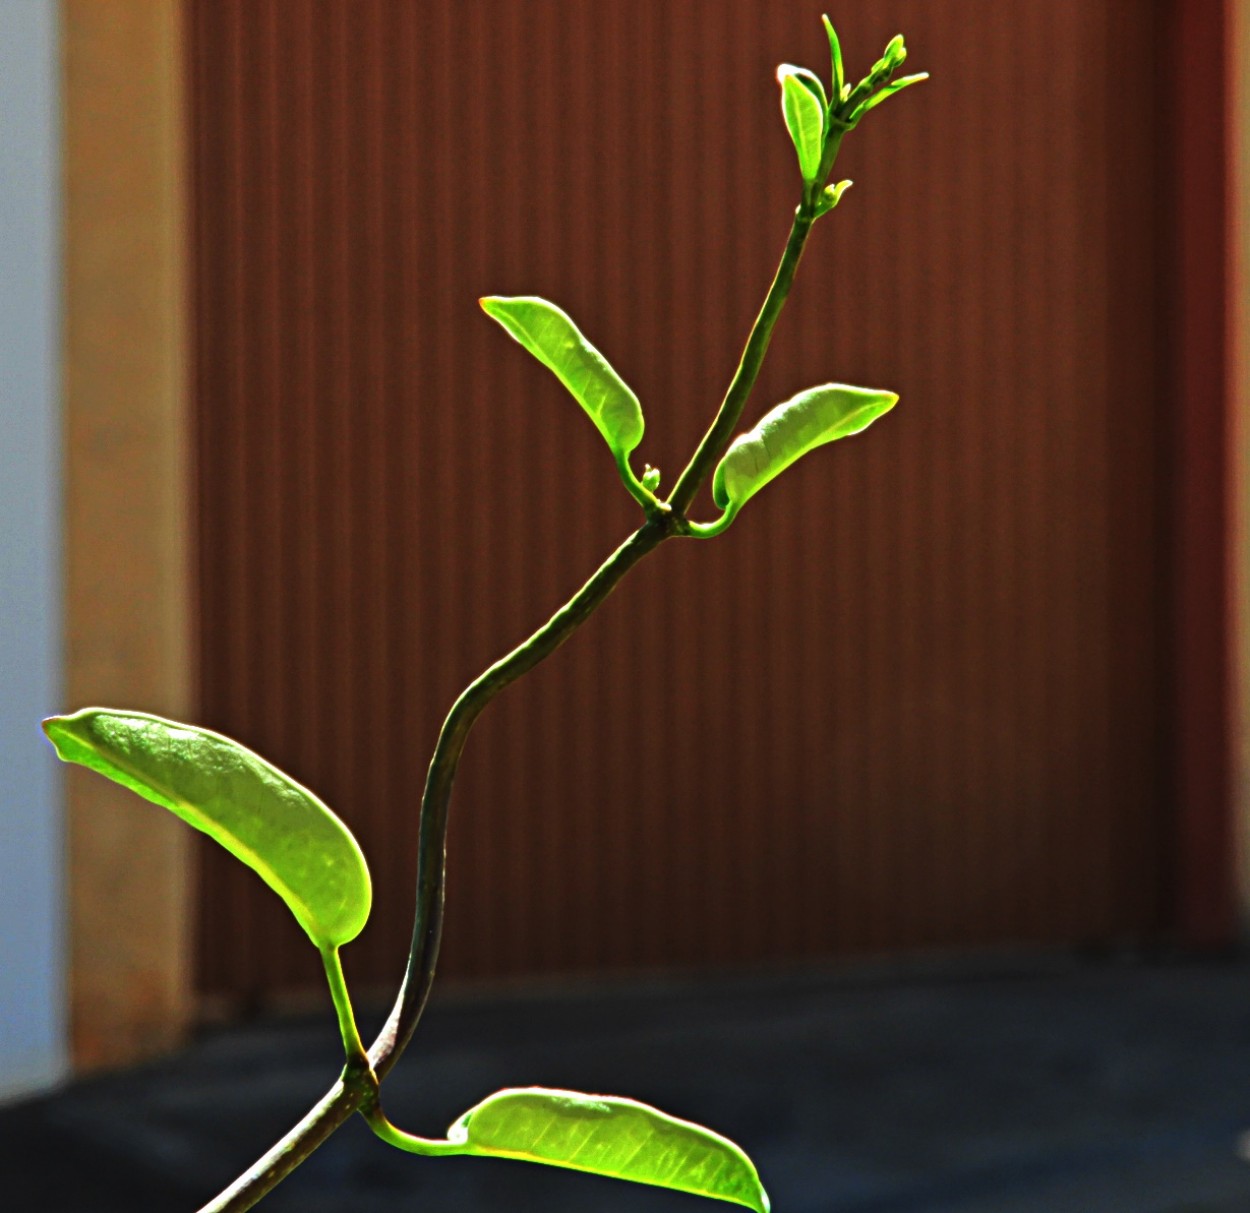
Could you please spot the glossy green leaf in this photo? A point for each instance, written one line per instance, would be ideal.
(890, 89)
(609, 1136)
(805, 119)
(549, 334)
(810, 419)
(835, 54)
(812, 82)
(263, 817)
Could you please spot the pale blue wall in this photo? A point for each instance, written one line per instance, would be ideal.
(32, 1000)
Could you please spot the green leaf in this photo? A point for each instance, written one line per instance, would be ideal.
(810, 419)
(835, 53)
(805, 119)
(609, 1136)
(261, 816)
(812, 82)
(549, 334)
(890, 89)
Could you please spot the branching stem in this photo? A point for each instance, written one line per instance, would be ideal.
(356, 1090)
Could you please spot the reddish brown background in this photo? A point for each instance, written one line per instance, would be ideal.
(913, 698)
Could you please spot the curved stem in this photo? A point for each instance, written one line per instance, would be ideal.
(709, 530)
(357, 1089)
(410, 1142)
(432, 834)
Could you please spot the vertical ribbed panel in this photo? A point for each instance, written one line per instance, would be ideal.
(908, 700)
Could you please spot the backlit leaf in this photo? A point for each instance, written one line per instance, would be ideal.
(888, 91)
(609, 1136)
(263, 817)
(835, 54)
(813, 84)
(549, 334)
(812, 418)
(805, 119)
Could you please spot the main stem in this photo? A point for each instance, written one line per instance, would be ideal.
(432, 837)
(726, 420)
(356, 1089)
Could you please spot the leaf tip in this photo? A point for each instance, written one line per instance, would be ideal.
(57, 729)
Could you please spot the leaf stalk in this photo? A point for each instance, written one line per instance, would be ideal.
(353, 1047)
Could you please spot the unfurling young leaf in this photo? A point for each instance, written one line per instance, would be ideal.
(835, 54)
(804, 112)
(810, 419)
(895, 53)
(889, 90)
(831, 195)
(263, 817)
(812, 83)
(609, 1136)
(549, 334)
(891, 60)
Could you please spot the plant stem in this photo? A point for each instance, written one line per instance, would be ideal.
(723, 425)
(352, 1046)
(331, 1112)
(356, 1090)
(408, 1142)
(432, 836)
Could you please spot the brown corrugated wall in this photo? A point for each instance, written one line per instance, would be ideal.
(909, 700)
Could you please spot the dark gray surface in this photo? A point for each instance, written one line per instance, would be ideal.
(1056, 1086)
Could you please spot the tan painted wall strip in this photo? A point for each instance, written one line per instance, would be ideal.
(127, 593)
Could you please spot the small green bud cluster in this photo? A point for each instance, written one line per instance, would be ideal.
(817, 124)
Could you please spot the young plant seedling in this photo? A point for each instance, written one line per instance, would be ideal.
(310, 859)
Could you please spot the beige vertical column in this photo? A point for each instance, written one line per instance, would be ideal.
(1238, 51)
(128, 605)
